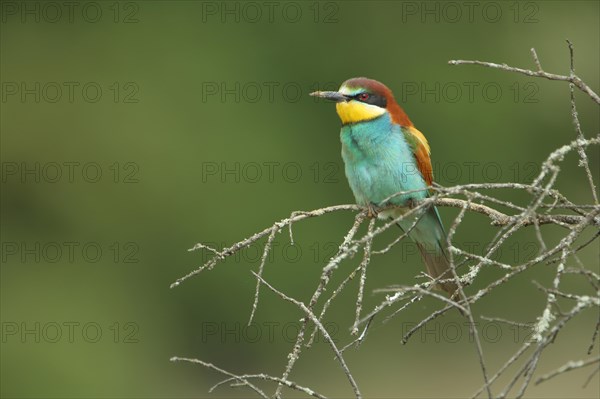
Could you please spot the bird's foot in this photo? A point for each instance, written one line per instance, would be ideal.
(371, 212)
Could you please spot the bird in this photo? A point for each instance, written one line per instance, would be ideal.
(385, 154)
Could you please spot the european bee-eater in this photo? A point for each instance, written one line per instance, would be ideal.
(385, 154)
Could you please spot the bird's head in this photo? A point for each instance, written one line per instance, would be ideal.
(362, 99)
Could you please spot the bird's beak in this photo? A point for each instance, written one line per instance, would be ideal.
(331, 96)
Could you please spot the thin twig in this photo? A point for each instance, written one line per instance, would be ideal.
(246, 377)
(572, 365)
(363, 277)
(582, 155)
(323, 331)
(260, 271)
(539, 74)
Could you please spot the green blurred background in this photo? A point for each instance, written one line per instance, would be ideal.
(198, 119)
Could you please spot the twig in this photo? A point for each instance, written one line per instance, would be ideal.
(363, 277)
(539, 74)
(591, 376)
(323, 331)
(325, 276)
(260, 271)
(250, 240)
(584, 159)
(246, 377)
(220, 370)
(572, 365)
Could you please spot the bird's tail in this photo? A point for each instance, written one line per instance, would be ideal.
(430, 237)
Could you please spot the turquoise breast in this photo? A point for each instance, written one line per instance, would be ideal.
(379, 163)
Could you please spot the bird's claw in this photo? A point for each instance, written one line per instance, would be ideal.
(371, 212)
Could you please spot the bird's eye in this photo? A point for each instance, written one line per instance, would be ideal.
(363, 96)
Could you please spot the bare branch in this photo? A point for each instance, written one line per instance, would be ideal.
(572, 365)
(363, 277)
(323, 331)
(501, 219)
(260, 270)
(582, 155)
(220, 370)
(538, 74)
(544, 205)
(244, 378)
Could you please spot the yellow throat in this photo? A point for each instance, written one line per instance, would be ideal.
(355, 111)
